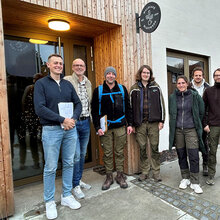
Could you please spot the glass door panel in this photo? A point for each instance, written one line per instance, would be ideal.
(25, 64)
(175, 67)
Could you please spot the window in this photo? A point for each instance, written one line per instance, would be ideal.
(180, 63)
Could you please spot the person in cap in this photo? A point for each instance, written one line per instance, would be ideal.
(112, 99)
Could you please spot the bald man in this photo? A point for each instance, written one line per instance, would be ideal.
(83, 89)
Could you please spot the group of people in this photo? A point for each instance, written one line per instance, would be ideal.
(195, 126)
(141, 111)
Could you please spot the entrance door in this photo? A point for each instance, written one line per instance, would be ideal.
(23, 61)
(182, 64)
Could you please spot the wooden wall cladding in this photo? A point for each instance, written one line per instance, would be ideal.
(6, 180)
(120, 47)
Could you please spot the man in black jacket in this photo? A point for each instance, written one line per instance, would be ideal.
(212, 123)
(111, 99)
(50, 93)
(199, 84)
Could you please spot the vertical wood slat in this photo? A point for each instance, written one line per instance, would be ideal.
(89, 8)
(6, 180)
(74, 6)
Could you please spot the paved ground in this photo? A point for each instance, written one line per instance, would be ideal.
(142, 200)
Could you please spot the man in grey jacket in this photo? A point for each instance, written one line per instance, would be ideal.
(83, 89)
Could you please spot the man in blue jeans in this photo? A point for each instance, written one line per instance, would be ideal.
(83, 88)
(58, 133)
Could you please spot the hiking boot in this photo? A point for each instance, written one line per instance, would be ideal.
(210, 181)
(70, 202)
(184, 183)
(196, 187)
(205, 170)
(108, 182)
(84, 185)
(157, 178)
(143, 177)
(120, 179)
(51, 210)
(78, 192)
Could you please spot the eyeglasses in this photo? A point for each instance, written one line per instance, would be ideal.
(78, 65)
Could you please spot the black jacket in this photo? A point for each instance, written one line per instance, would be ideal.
(47, 95)
(156, 109)
(113, 110)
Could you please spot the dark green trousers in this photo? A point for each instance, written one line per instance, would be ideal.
(114, 140)
(213, 139)
(187, 147)
(143, 132)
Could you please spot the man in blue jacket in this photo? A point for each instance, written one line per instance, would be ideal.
(57, 131)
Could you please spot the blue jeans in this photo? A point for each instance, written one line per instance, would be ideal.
(53, 137)
(83, 134)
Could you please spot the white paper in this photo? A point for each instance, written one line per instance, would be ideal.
(65, 109)
(103, 123)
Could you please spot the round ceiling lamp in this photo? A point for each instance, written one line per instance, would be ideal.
(58, 25)
(37, 41)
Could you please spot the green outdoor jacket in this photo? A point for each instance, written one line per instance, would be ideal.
(198, 113)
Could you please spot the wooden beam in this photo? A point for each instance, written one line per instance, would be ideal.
(6, 179)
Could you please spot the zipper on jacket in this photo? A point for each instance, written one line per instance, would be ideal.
(59, 87)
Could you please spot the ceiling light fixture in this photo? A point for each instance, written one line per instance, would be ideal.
(36, 41)
(58, 25)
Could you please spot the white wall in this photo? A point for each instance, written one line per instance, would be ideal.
(191, 26)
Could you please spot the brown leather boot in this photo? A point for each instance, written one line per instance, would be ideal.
(108, 182)
(120, 179)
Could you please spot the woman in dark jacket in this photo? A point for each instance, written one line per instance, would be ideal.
(148, 115)
(186, 110)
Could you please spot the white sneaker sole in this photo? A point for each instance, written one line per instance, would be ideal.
(75, 207)
(200, 192)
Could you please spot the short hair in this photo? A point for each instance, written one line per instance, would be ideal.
(197, 68)
(182, 77)
(138, 74)
(54, 55)
(216, 71)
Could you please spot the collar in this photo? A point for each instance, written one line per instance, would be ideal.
(76, 78)
(187, 92)
(195, 86)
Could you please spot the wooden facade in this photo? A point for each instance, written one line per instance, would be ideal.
(6, 179)
(112, 26)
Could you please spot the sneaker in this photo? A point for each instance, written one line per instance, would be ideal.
(196, 188)
(84, 185)
(184, 183)
(70, 202)
(210, 181)
(78, 192)
(51, 210)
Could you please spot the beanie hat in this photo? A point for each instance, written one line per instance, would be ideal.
(110, 69)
